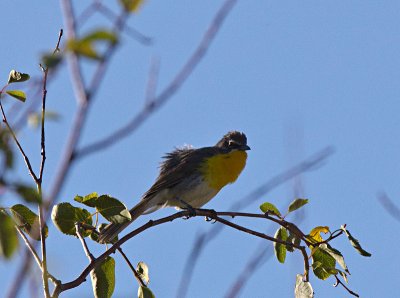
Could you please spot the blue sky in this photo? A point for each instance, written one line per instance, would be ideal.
(295, 76)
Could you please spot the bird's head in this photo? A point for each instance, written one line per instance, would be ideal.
(233, 140)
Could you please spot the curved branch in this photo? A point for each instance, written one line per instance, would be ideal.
(211, 214)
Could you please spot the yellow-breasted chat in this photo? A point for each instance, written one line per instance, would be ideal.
(189, 178)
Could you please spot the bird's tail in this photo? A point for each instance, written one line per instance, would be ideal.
(113, 229)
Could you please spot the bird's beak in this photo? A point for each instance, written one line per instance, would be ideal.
(245, 147)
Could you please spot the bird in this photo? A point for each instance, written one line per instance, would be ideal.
(189, 178)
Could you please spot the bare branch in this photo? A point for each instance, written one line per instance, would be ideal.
(45, 278)
(26, 159)
(169, 91)
(29, 246)
(97, 6)
(84, 245)
(389, 206)
(73, 60)
(152, 81)
(135, 273)
(44, 95)
(262, 254)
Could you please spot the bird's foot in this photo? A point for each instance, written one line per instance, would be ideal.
(188, 207)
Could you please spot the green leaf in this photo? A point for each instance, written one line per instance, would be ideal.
(8, 236)
(280, 249)
(112, 209)
(103, 278)
(269, 208)
(86, 45)
(145, 292)
(101, 35)
(88, 200)
(337, 255)
(28, 221)
(131, 5)
(143, 272)
(17, 77)
(64, 216)
(303, 289)
(296, 204)
(322, 263)
(28, 193)
(18, 94)
(85, 49)
(355, 243)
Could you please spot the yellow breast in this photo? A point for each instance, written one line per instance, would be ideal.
(222, 169)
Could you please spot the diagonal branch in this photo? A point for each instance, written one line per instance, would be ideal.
(389, 206)
(169, 91)
(339, 282)
(26, 159)
(135, 273)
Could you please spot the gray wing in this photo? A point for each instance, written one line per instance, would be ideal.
(178, 165)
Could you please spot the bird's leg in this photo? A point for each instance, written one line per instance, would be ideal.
(192, 211)
(211, 218)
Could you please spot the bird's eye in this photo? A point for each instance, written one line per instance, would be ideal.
(232, 143)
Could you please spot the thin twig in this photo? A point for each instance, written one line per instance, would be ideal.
(84, 245)
(32, 250)
(338, 281)
(45, 278)
(76, 76)
(97, 6)
(26, 159)
(152, 78)
(389, 206)
(29, 246)
(135, 273)
(262, 254)
(42, 221)
(169, 91)
(135, 34)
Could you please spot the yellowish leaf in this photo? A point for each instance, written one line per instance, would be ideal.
(315, 233)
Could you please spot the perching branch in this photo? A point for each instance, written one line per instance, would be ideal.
(209, 214)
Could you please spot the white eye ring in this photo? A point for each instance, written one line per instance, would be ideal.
(231, 142)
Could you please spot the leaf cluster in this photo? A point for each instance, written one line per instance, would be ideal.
(324, 257)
